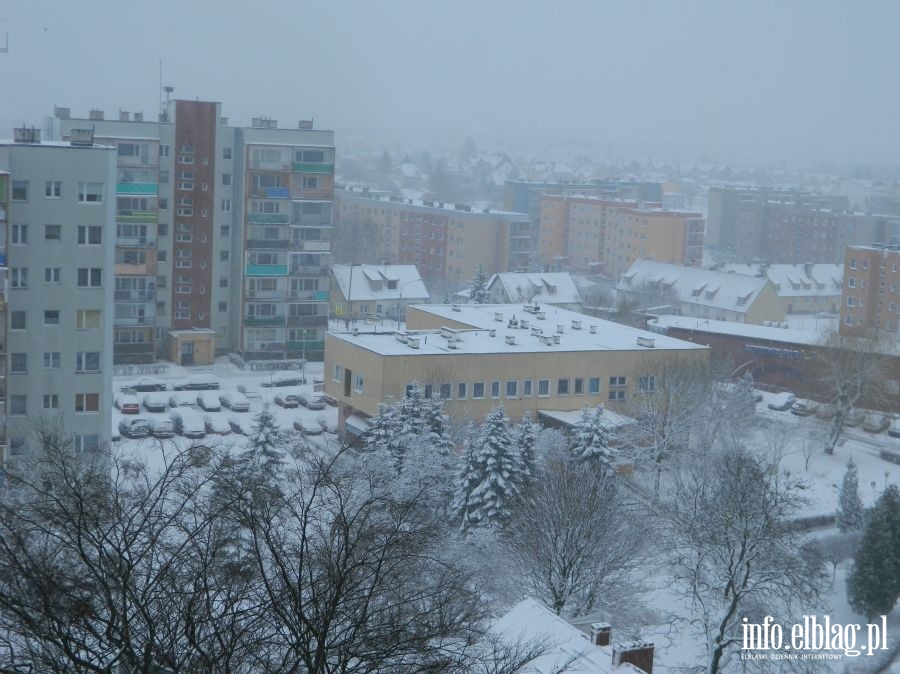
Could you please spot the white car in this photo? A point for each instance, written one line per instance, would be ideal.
(198, 382)
(240, 425)
(782, 401)
(216, 424)
(236, 402)
(156, 402)
(182, 399)
(249, 391)
(161, 427)
(208, 402)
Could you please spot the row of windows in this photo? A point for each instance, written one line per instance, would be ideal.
(85, 235)
(84, 402)
(88, 193)
(85, 319)
(85, 277)
(85, 361)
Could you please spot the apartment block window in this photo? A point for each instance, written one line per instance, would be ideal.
(51, 317)
(461, 390)
(161, 255)
(17, 320)
(512, 389)
(183, 315)
(223, 281)
(562, 387)
(225, 230)
(226, 205)
(162, 229)
(226, 179)
(185, 159)
(51, 360)
(526, 388)
(89, 277)
(184, 212)
(18, 277)
(87, 361)
(617, 381)
(444, 391)
(310, 183)
(161, 281)
(18, 363)
(223, 307)
(358, 383)
(851, 282)
(52, 274)
(53, 189)
(478, 390)
(163, 180)
(226, 153)
(86, 444)
(90, 235)
(495, 389)
(87, 319)
(19, 190)
(617, 394)
(18, 234)
(594, 385)
(18, 404)
(87, 402)
(164, 150)
(51, 401)
(52, 232)
(90, 193)
(850, 301)
(203, 213)
(224, 255)
(543, 387)
(337, 374)
(647, 384)
(579, 386)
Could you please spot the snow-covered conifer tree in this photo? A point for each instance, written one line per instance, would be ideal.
(874, 584)
(850, 514)
(478, 293)
(589, 439)
(526, 439)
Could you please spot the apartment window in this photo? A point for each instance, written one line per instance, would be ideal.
(51, 360)
(337, 374)
(461, 390)
(87, 402)
(226, 153)
(310, 183)
(226, 179)
(183, 315)
(647, 384)
(89, 277)
(185, 186)
(18, 363)
(90, 235)
(20, 190)
(226, 205)
(358, 383)
(87, 319)
(204, 187)
(184, 212)
(429, 391)
(512, 389)
(53, 189)
(51, 401)
(223, 282)
(478, 390)
(850, 301)
(18, 234)
(184, 238)
(18, 277)
(543, 387)
(162, 229)
(848, 320)
(579, 386)
(52, 274)
(203, 212)
(17, 320)
(87, 361)
(164, 150)
(223, 307)
(161, 256)
(851, 282)
(163, 180)
(562, 387)
(865, 264)
(90, 193)
(87, 443)
(185, 159)
(617, 394)
(495, 389)
(51, 317)
(162, 281)
(617, 381)
(52, 232)
(224, 255)
(526, 388)
(18, 404)
(594, 385)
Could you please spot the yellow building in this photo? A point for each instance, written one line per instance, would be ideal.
(475, 357)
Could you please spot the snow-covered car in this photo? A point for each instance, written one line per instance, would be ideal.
(894, 429)
(804, 408)
(240, 425)
(782, 401)
(287, 400)
(216, 424)
(284, 378)
(128, 404)
(161, 427)
(249, 391)
(182, 399)
(198, 382)
(876, 423)
(236, 402)
(156, 402)
(313, 401)
(209, 402)
(329, 400)
(309, 428)
(187, 422)
(854, 418)
(147, 384)
(134, 428)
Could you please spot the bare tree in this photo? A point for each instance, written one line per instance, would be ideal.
(574, 537)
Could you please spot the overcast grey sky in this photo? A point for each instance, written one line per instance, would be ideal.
(785, 77)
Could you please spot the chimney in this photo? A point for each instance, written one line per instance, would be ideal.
(637, 653)
(600, 633)
(95, 115)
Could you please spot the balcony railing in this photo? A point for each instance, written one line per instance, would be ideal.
(268, 218)
(307, 321)
(305, 167)
(267, 294)
(136, 216)
(311, 245)
(135, 242)
(308, 345)
(267, 244)
(134, 347)
(126, 321)
(149, 160)
(311, 219)
(270, 192)
(297, 270)
(265, 320)
(264, 346)
(136, 188)
(134, 295)
(267, 270)
(147, 268)
(309, 295)
(311, 192)
(270, 165)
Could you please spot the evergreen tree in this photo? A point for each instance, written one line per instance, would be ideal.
(264, 445)
(478, 292)
(490, 474)
(382, 428)
(850, 514)
(437, 426)
(526, 439)
(874, 584)
(589, 439)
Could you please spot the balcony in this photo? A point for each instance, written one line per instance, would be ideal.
(129, 217)
(129, 321)
(135, 242)
(312, 192)
(147, 268)
(307, 321)
(264, 346)
(270, 192)
(311, 245)
(302, 167)
(134, 295)
(266, 270)
(311, 219)
(254, 321)
(268, 218)
(270, 165)
(297, 270)
(145, 189)
(309, 295)
(267, 244)
(308, 345)
(267, 294)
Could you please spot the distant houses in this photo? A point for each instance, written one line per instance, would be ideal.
(364, 290)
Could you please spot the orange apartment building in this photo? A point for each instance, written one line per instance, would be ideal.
(871, 292)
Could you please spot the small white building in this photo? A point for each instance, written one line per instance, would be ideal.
(557, 289)
(364, 290)
(802, 288)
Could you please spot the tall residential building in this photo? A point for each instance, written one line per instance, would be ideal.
(61, 254)
(871, 300)
(446, 242)
(220, 228)
(4, 228)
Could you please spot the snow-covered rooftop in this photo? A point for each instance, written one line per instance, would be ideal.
(509, 328)
(431, 205)
(694, 285)
(380, 282)
(787, 336)
(608, 419)
(795, 280)
(550, 288)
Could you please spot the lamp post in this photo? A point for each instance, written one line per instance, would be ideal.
(400, 299)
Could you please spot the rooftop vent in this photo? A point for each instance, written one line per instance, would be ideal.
(455, 307)
(556, 339)
(541, 315)
(528, 308)
(510, 339)
(448, 333)
(492, 332)
(124, 116)
(593, 329)
(451, 344)
(62, 113)
(81, 137)
(524, 323)
(305, 124)
(138, 117)
(413, 342)
(96, 115)
(576, 325)
(646, 341)
(498, 316)
(264, 123)
(27, 135)
(513, 323)
(401, 337)
(560, 328)
(537, 332)
(546, 341)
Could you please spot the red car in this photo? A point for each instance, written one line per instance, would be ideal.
(330, 399)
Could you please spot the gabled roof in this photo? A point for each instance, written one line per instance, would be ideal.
(548, 288)
(796, 280)
(380, 282)
(694, 285)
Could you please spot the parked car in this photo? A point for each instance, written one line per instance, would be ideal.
(128, 404)
(876, 423)
(240, 425)
(312, 401)
(854, 418)
(329, 400)
(894, 430)
(249, 391)
(161, 427)
(187, 422)
(156, 402)
(236, 402)
(782, 401)
(182, 399)
(287, 400)
(147, 384)
(217, 425)
(284, 378)
(134, 428)
(804, 408)
(309, 428)
(198, 382)
(209, 402)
